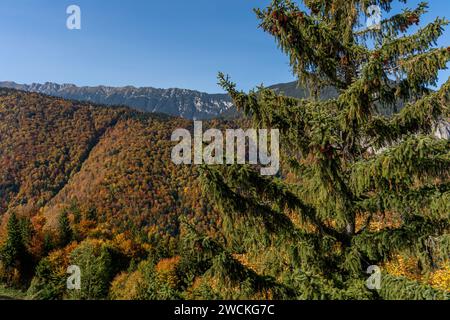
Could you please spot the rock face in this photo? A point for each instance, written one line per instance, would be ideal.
(442, 130)
(188, 104)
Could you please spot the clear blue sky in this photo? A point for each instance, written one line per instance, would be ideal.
(177, 43)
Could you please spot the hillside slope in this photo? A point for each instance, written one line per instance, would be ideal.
(58, 155)
(43, 142)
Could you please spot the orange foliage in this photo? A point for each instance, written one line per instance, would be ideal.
(167, 271)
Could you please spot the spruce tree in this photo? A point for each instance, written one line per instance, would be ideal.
(65, 232)
(14, 248)
(361, 181)
(14, 255)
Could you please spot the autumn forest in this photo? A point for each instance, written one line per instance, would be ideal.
(92, 207)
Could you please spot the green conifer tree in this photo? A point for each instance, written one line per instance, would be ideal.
(65, 231)
(14, 247)
(14, 255)
(361, 182)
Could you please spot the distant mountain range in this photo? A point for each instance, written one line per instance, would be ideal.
(189, 104)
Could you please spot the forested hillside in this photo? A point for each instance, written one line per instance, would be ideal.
(74, 171)
(43, 142)
(95, 187)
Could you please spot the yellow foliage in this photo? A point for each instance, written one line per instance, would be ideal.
(166, 270)
(124, 244)
(400, 266)
(60, 259)
(127, 286)
(243, 259)
(441, 278)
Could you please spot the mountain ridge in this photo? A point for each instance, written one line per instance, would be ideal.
(185, 103)
(189, 104)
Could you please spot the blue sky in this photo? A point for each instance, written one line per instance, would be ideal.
(163, 44)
